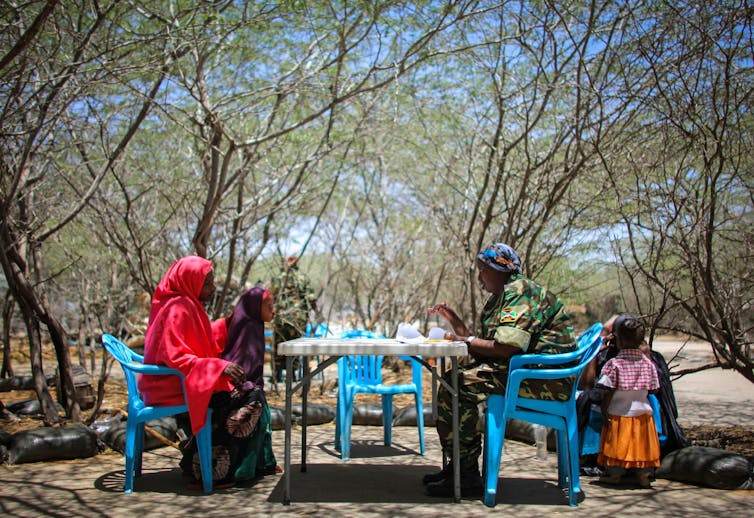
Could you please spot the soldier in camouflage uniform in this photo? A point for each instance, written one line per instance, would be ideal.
(520, 316)
(293, 300)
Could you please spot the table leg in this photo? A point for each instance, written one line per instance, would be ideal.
(306, 380)
(456, 444)
(288, 411)
(434, 392)
(434, 414)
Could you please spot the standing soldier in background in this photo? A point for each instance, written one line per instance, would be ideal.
(294, 298)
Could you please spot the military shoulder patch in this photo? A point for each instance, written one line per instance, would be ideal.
(508, 315)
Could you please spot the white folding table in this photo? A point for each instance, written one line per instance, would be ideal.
(333, 349)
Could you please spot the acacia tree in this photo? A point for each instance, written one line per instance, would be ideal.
(500, 142)
(285, 119)
(509, 155)
(385, 259)
(255, 149)
(687, 208)
(62, 64)
(257, 141)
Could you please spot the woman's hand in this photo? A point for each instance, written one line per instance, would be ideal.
(442, 309)
(235, 372)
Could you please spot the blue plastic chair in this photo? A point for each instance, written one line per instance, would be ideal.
(590, 440)
(655, 404)
(560, 415)
(363, 374)
(139, 413)
(267, 334)
(320, 331)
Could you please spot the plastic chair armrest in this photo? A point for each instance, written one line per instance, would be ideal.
(521, 360)
(543, 374)
(154, 370)
(517, 377)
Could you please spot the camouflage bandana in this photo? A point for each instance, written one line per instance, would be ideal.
(501, 257)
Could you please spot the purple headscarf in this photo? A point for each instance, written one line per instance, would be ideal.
(245, 343)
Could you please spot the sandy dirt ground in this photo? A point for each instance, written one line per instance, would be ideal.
(715, 396)
(378, 481)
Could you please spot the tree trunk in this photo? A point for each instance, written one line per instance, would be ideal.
(7, 369)
(34, 312)
(49, 411)
(70, 402)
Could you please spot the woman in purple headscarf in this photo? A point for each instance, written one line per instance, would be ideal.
(245, 343)
(245, 346)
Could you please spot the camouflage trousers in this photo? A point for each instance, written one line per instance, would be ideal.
(474, 385)
(282, 333)
(476, 382)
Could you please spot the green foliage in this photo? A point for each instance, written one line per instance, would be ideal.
(386, 142)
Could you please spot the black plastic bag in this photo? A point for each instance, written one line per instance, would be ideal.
(712, 467)
(315, 413)
(367, 414)
(407, 416)
(29, 407)
(5, 438)
(22, 383)
(277, 418)
(75, 441)
(115, 435)
(5, 441)
(523, 431)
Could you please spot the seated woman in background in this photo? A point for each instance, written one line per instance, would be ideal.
(180, 335)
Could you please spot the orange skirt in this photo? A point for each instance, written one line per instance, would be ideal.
(629, 442)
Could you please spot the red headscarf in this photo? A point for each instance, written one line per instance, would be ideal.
(180, 336)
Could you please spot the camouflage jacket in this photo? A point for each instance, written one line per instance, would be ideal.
(294, 298)
(528, 316)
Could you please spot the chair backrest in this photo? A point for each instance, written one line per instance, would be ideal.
(590, 337)
(360, 333)
(363, 370)
(657, 415)
(589, 343)
(319, 332)
(563, 365)
(125, 356)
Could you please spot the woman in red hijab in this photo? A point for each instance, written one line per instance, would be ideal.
(180, 335)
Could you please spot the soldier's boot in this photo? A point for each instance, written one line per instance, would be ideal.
(438, 476)
(471, 481)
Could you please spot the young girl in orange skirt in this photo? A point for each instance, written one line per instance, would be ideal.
(629, 437)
